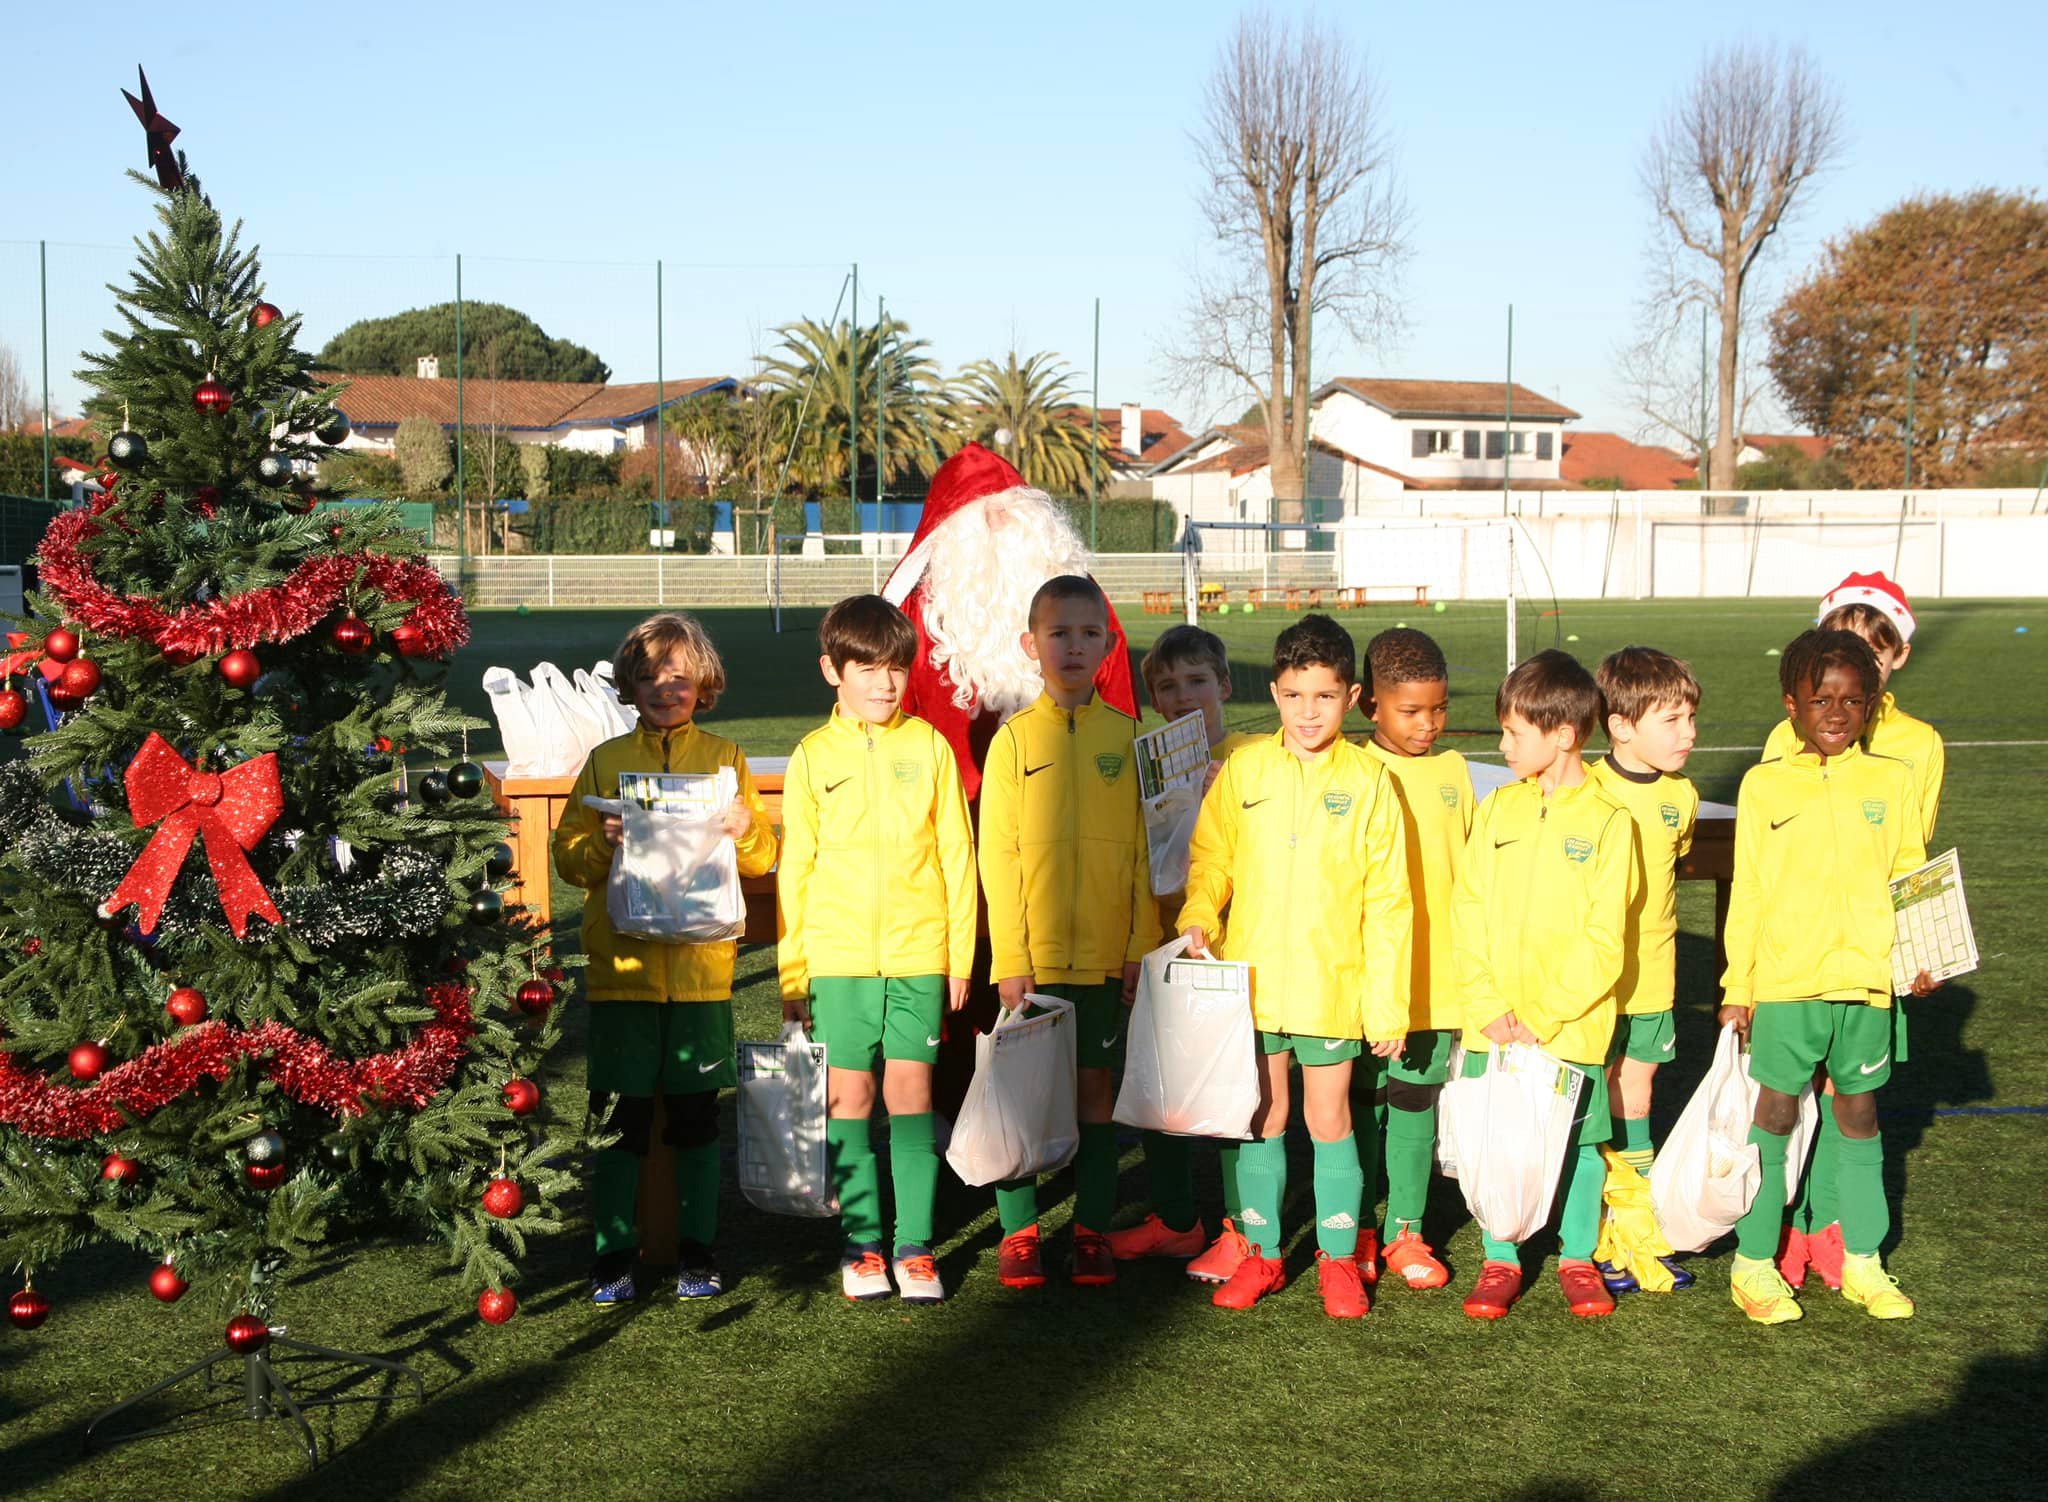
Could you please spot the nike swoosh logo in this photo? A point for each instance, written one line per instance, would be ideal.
(1670, 1045)
(833, 787)
(1781, 823)
(1333, 1044)
(1110, 1041)
(1255, 802)
(1503, 844)
(931, 1043)
(1034, 771)
(707, 1068)
(1873, 1068)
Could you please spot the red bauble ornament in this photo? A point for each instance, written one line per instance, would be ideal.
(165, 1284)
(241, 668)
(211, 396)
(264, 314)
(554, 973)
(354, 637)
(246, 1333)
(535, 997)
(88, 1062)
(496, 1305)
(504, 1198)
(522, 1097)
(13, 708)
(109, 478)
(409, 641)
(205, 498)
(62, 702)
(31, 947)
(180, 657)
(29, 1309)
(81, 676)
(264, 1175)
(119, 1170)
(61, 644)
(187, 1006)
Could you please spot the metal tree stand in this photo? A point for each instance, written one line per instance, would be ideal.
(265, 1393)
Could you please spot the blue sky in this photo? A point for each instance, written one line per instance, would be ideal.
(992, 172)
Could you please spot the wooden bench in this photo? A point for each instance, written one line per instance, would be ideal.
(1264, 596)
(1158, 602)
(1358, 596)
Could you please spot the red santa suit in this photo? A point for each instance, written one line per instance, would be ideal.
(985, 543)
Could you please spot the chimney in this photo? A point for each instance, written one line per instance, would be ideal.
(430, 367)
(1132, 437)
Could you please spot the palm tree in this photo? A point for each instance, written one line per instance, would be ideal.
(1031, 414)
(813, 372)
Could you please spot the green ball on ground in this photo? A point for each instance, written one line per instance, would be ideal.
(1770, 651)
(1439, 607)
(1572, 638)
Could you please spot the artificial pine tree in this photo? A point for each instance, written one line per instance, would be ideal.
(259, 998)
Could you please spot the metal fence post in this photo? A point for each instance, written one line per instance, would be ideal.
(551, 578)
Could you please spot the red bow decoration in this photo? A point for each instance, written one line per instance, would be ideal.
(232, 809)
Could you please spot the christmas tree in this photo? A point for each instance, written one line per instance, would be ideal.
(262, 996)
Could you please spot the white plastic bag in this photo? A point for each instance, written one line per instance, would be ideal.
(676, 876)
(1169, 826)
(1505, 1133)
(550, 727)
(1018, 1118)
(1191, 1064)
(1708, 1172)
(785, 1163)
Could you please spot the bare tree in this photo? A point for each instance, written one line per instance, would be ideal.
(17, 403)
(1301, 196)
(1725, 170)
(1668, 384)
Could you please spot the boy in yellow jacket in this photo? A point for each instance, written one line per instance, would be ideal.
(1409, 702)
(1651, 701)
(1539, 930)
(1301, 839)
(1819, 837)
(661, 1014)
(1069, 892)
(1186, 672)
(877, 896)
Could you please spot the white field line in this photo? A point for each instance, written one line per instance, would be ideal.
(1489, 756)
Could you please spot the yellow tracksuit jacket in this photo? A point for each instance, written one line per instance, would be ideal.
(1437, 805)
(1894, 733)
(1170, 905)
(1540, 916)
(1665, 810)
(1308, 857)
(623, 968)
(1063, 859)
(1816, 848)
(877, 871)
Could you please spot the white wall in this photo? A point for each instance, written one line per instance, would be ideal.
(1360, 428)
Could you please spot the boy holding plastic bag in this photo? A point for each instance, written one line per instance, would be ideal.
(661, 1012)
(1539, 924)
(877, 896)
(1819, 837)
(1186, 672)
(1301, 837)
(1068, 883)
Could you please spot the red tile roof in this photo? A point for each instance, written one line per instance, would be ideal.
(1808, 445)
(1588, 457)
(60, 427)
(386, 401)
(1161, 435)
(1480, 399)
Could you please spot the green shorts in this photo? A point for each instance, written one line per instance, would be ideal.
(1646, 1037)
(1899, 1054)
(649, 1048)
(1100, 1014)
(1310, 1051)
(1591, 1114)
(1852, 1038)
(862, 1018)
(1425, 1059)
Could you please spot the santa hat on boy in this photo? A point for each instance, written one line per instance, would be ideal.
(1876, 591)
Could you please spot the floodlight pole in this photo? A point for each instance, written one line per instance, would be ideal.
(1094, 423)
(881, 407)
(1912, 368)
(1507, 465)
(461, 479)
(43, 274)
(660, 416)
(852, 403)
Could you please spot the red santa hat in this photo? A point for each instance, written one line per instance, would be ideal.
(973, 474)
(1876, 591)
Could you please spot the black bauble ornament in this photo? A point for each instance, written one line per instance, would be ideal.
(465, 779)
(274, 470)
(332, 429)
(264, 1147)
(485, 908)
(434, 787)
(498, 861)
(127, 450)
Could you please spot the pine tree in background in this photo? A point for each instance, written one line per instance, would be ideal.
(261, 998)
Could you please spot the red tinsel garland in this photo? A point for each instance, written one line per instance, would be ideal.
(276, 614)
(300, 1066)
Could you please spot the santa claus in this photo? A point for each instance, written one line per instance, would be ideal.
(984, 545)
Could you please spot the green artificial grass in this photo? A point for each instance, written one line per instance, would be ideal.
(783, 1389)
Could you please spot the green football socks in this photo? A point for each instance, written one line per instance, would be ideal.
(1340, 1190)
(1226, 1165)
(1095, 1176)
(1411, 1142)
(1170, 1169)
(1017, 1205)
(914, 1174)
(1632, 1143)
(696, 1192)
(1578, 1225)
(1758, 1232)
(614, 1197)
(1262, 1181)
(1820, 1200)
(1859, 1177)
(858, 1183)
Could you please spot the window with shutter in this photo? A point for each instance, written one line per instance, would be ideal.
(1419, 448)
(1496, 444)
(1471, 443)
(1543, 445)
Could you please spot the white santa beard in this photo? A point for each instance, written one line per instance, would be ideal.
(978, 586)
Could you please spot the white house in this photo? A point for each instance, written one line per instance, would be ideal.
(1439, 435)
